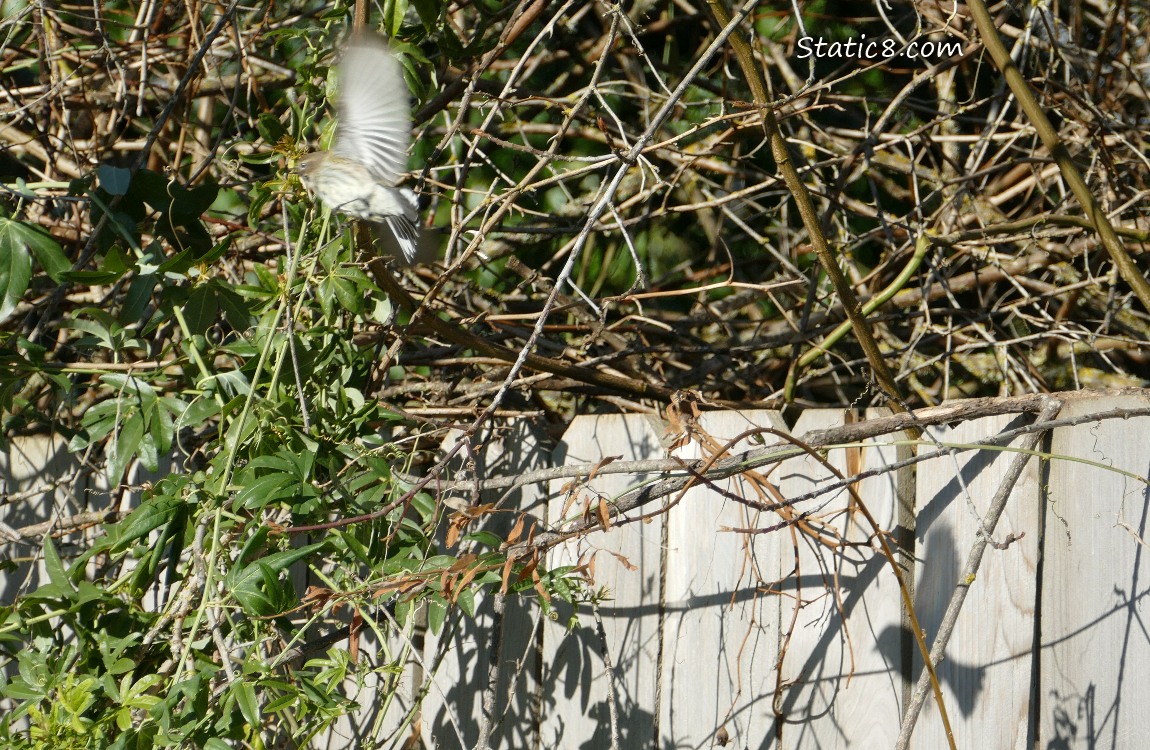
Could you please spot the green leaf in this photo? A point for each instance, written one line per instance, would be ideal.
(15, 268)
(200, 311)
(199, 411)
(325, 292)
(124, 446)
(403, 611)
(55, 566)
(163, 427)
(137, 299)
(151, 515)
(47, 251)
(98, 421)
(93, 278)
(270, 129)
(236, 310)
(259, 199)
(19, 690)
(398, 10)
(428, 11)
(486, 538)
(380, 309)
(280, 561)
(280, 462)
(347, 295)
(436, 613)
(426, 506)
(466, 601)
(233, 383)
(249, 705)
(149, 452)
(250, 584)
(103, 331)
(189, 204)
(265, 490)
(114, 180)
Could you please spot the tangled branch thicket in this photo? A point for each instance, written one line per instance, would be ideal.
(166, 283)
(698, 275)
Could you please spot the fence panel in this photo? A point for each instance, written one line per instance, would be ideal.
(1095, 647)
(698, 606)
(720, 633)
(628, 565)
(986, 675)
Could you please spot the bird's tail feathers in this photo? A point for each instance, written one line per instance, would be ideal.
(410, 244)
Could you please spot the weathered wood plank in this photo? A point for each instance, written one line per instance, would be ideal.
(575, 691)
(1094, 683)
(720, 640)
(986, 675)
(841, 682)
(41, 482)
(461, 657)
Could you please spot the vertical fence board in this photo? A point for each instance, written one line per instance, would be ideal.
(720, 640)
(986, 675)
(574, 694)
(40, 481)
(459, 682)
(840, 689)
(1095, 684)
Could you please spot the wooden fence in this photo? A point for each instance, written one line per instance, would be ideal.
(796, 637)
(775, 625)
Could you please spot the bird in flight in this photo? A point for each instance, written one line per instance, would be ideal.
(358, 176)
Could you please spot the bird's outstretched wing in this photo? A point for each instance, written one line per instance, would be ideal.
(374, 108)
